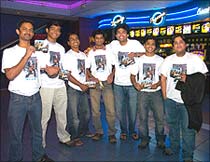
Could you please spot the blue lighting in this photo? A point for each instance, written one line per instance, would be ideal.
(103, 25)
(104, 20)
(180, 18)
(139, 22)
(174, 13)
(134, 18)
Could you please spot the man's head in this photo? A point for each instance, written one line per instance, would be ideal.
(53, 30)
(99, 37)
(73, 41)
(150, 44)
(121, 32)
(179, 43)
(25, 30)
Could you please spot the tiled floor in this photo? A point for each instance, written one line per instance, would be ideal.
(102, 151)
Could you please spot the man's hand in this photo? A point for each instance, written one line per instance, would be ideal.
(29, 51)
(83, 87)
(183, 77)
(52, 70)
(138, 86)
(110, 79)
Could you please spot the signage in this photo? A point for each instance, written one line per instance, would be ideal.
(118, 19)
(202, 11)
(157, 18)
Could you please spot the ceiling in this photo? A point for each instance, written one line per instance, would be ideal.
(73, 9)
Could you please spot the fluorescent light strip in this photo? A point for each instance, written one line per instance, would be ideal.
(180, 18)
(192, 9)
(104, 20)
(139, 22)
(103, 25)
(134, 18)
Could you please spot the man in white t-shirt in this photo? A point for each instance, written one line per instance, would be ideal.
(174, 68)
(20, 64)
(99, 69)
(125, 94)
(53, 89)
(149, 95)
(78, 107)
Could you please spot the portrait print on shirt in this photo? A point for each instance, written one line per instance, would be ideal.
(100, 61)
(30, 69)
(40, 45)
(148, 75)
(124, 60)
(81, 67)
(177, 70)
(54, 58)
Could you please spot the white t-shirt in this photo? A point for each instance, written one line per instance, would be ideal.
(147, 69)
(76, 64)
(27, 82)
(53, 57)
(173, 66)
(99, 62)
(122, 62)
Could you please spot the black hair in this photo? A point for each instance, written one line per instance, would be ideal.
(179, 35)
(24, 21)
(55, 23)
(153, 38)
(123, 26)
(97, 32)
(72, 33)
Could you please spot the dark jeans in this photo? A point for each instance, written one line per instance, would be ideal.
(19, 107)
(78, 113)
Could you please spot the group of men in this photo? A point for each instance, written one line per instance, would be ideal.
(127, 75)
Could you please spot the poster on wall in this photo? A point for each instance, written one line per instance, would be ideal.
(149, 31)
(143, 32)
(205, 28)
(163, 31)
(170, 30)
(137, 33)
(187, 29)
(156, 31)
(196, 28)
(178, 29)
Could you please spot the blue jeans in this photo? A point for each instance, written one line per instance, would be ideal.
(151, 101)
(19, 107)
(126, 105)
(78, 113)
(177, 119)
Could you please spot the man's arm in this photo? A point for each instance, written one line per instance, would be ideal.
(76, 82)
(13, 72)
(135, 84)
(163, 86)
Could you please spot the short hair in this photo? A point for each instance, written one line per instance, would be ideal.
(179, 35)
(55, 23)
(72, 33)
(97, 32)
(21, 22)
(153, 38)
(123, 26)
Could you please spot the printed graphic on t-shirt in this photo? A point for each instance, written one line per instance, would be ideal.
(30, 69)
(100, 63)
(124, 60)
(54, 58)
(177, 70)
(63, 74)
(41, 46)
(81, 67)
(148, 75)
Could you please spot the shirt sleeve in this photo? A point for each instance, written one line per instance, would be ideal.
(7, 60)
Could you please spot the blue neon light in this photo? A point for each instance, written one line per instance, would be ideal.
(104, 20)
(102, 25)
(174, 13)
(180, 18)
(134, 18)
(139, 22)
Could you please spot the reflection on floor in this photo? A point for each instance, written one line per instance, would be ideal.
(122, 151)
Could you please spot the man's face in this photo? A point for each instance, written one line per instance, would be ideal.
(150, 45)
(99, 39)
(25, 32)
(121, 35)
(179, 45)
(73, 41)
(54, 32)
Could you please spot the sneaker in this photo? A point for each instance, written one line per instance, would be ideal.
(97, 136)
(143, 144)
(112, 139)
(168, 151)
(161, 144)
(45, 158)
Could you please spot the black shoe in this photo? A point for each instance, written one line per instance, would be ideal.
(97, 136)
(45, 158)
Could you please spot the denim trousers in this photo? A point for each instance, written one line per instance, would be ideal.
(126, 106)
(151, 101)
(20, 107)
(78, 112)
(177, 119)
(108, 98)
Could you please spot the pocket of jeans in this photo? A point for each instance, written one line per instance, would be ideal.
(14, 98)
